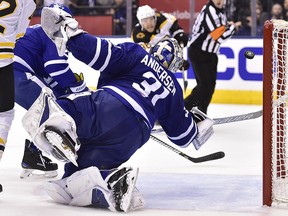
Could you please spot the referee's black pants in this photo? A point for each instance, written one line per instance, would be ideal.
(205, 69)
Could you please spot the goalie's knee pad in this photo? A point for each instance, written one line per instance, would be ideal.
(57, 191)
(46, 113)
(83, 188)
(91, 176)
(87, 188)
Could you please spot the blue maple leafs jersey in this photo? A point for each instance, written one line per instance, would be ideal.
(132, 75)
(37, 55)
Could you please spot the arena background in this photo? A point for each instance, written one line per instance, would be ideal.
(239, 79)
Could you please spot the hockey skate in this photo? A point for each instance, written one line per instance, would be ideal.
(35, 164)
(122, 183)
(205, 127)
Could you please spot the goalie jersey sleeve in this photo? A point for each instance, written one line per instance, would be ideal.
(132, 75)
(36, 59)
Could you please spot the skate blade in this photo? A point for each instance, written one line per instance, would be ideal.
(56, 140)
(31, 173)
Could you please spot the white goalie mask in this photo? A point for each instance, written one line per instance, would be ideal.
(169, 53)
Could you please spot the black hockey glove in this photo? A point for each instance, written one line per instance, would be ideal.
(182, 39)
(185, 65)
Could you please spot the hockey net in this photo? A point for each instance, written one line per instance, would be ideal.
(275, 110)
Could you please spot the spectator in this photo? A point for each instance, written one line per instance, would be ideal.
(41, 3)
(49, 2)
(261, 16)
(245, 26)
(285, 10)
(83, 7)
(104, 6)
(118, 11)
(276, 11)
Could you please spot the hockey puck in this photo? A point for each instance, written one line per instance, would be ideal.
(249, 54)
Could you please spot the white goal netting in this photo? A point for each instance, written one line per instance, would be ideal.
(279, 166)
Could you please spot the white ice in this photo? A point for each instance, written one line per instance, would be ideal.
(170, 184)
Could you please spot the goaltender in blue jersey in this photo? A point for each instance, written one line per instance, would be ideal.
(135, 89)
(37, 64)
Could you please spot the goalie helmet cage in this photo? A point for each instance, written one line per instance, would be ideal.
(275, 85)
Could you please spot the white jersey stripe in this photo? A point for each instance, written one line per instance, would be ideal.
(97, 53)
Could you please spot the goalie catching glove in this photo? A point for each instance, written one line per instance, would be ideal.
(51, 129)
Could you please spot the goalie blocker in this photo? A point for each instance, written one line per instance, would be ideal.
(41, 121)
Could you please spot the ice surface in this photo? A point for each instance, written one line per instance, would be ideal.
(170, 184)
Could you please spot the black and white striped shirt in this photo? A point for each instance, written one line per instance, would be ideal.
(210, 29)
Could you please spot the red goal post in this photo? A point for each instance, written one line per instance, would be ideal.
(275, 109)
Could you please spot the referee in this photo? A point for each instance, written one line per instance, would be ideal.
(210, 30)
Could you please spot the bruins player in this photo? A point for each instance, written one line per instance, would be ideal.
(14, 19)
(154, 26)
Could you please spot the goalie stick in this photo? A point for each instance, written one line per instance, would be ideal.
(213, 156)
(237, 118)
(185, 81)
(225, 120)
(184, 77)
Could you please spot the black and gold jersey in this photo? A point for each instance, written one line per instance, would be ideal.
(166, 26)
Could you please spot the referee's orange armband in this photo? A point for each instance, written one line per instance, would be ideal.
(217, 32)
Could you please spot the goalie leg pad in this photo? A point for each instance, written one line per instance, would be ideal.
(43, 113)
(56, 190)
(81, 189)
(93, 192)
(91, 176)
(87, 187)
